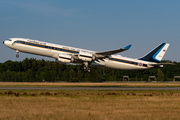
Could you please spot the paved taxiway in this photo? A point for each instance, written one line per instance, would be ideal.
(89, 88)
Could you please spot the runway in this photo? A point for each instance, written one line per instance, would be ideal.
(89, 88)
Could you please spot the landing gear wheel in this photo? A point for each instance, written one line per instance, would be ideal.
(88, 69)
(17, 55)
(84, 68)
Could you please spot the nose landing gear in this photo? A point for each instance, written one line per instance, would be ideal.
(17, 55)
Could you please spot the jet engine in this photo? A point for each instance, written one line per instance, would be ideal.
(64, 58)
(86, 56)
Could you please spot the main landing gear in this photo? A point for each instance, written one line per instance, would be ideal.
(85, 67)
(17, 55)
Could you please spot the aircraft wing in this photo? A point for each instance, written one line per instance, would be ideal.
(111, 52)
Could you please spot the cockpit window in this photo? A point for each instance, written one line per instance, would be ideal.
(18, 41)
(10, 40)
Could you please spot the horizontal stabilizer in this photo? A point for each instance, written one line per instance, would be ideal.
(158, 64)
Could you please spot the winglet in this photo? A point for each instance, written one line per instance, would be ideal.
(127, 47)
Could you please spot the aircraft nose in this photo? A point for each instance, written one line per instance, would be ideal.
(4, 42)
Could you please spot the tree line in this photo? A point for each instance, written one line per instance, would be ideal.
(32, 70)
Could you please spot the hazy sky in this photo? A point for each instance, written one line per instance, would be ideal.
(97, 25)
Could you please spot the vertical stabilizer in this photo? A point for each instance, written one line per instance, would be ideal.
(156, 54)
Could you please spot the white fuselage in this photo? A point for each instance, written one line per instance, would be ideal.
(53, 50)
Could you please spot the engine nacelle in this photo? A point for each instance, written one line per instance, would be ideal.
(64, 58)
(85, 56)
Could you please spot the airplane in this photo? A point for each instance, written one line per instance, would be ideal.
(65, 54)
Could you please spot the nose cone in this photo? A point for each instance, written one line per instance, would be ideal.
(3, 42)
